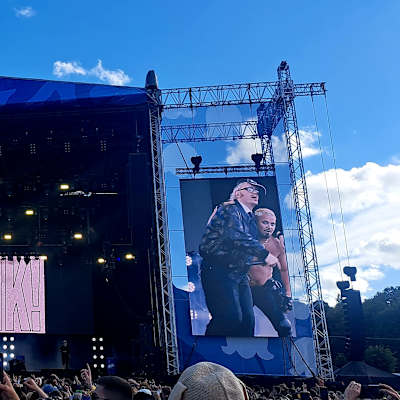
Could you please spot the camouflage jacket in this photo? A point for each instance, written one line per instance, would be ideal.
(230, 241)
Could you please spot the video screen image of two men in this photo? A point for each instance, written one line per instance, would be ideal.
(238, 277)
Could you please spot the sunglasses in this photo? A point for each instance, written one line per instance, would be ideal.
(251, 189)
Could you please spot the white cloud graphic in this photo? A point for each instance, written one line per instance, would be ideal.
(248, 347)
(112, 77)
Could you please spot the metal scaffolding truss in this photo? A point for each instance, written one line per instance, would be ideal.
(286, 94)
(166, 315)
(209, 132)
(277, 104)
(223, 95)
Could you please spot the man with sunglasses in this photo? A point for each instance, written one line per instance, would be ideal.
(229, 247)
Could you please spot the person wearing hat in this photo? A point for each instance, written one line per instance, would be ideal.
(229, 247)
(208, 381)
(270, 286)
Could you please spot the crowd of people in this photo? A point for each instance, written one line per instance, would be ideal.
(204, 380)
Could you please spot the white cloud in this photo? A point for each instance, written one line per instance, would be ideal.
(117, 77)
(112, 77)
(241, 151)
(61, 68)
(370, 198)
(24, 12)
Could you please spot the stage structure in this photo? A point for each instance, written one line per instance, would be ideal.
(275, 101)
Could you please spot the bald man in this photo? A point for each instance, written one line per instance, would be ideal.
(270, 284)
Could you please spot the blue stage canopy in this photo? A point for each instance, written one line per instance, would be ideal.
(18, 95)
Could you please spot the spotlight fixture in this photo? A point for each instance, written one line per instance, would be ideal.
(44, 258)
(29, 212)
(257, 158)
(196, 161)
(5, 355)
(93, 339)
(101, 339)
(129, 256)
(64, 186)
(94, 356)
(12, 355)
(101, 260)
(4, 347)
(5, 339)
(78, 236)
(4, 363)
(7, 236)
(11, 338)
(95, 365)
(102, 366)
(12, 347)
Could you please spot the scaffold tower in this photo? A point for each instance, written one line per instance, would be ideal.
(276, 100)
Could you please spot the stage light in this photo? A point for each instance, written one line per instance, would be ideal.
(196, 161)
(101, 260)
(257, 158)
(129, 256)
(101, 348)
(64, 186)
(4, 363)
(94, 357)
(5, 355)
(102, 365)
(44, 258)
(101, 339)
(102, 356)
(4, 338)
(7, 236)
(11, 338)
(95, 365)
(94, 347)
(5, 347)
(78, 236)
(12, 355)
(12, 347)
(93, 339)
(29, 212)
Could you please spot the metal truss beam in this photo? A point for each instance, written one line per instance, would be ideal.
(242, 93)
(303, 215)
(209, 132)
(166, 315)
(266, 169)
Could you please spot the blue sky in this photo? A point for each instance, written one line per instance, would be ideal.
(352, 45)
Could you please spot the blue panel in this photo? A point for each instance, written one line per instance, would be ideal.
(30, 94)
(253, 356)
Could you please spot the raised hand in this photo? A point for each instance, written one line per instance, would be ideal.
(7, 391)
(86, 375)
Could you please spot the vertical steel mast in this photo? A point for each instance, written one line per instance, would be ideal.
(286, 94)
(166, 315)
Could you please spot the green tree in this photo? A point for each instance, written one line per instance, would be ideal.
(380, 357)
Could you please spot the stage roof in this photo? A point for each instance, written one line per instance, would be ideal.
(21, 95)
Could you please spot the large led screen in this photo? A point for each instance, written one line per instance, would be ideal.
(238, 278)
(22, 296)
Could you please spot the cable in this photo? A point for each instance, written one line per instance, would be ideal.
(183, 157)
(326, 187)
(337, 180)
